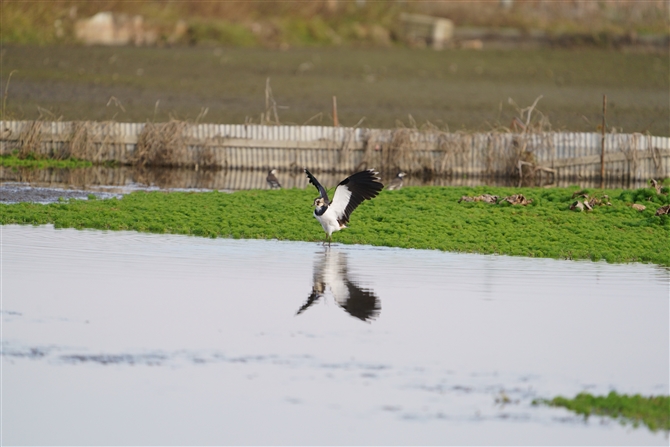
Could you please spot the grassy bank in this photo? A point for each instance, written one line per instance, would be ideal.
(31, 162)
(427, 218)
(329, 22)
(654, 411)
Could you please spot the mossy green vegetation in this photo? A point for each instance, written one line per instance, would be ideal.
(414, 217)
(653, 411)
(13, 161)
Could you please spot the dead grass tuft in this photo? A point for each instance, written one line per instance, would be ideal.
(30, 140)
(456, 148)
(399, 154)
(167, 145)
(80, 144)
(162, 144)
(206, 158)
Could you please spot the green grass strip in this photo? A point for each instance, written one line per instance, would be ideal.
(12, 161)
(653, 411)
(414, 217)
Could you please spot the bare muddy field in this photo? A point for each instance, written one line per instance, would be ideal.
(455, 89)
(158, 339)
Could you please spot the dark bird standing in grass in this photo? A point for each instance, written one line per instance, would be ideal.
(272, 179)
(396, 183)
(349, 193)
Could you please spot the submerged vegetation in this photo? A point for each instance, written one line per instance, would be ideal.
(425, 218)
(653, 411)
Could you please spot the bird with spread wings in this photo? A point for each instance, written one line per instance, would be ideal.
(352, 191)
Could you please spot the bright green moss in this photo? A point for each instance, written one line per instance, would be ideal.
(652, 411)
(12, 161)
(417, 217)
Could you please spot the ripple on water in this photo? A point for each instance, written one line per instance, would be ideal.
(399, 345)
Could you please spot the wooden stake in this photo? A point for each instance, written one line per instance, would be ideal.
(602, 145)
(336, 123)
(266, 116)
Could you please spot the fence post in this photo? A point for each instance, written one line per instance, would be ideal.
(602, 145)
(336, 122)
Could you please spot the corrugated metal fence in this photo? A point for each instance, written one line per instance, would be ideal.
(343, 150)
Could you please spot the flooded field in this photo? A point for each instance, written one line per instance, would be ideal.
(127, 338)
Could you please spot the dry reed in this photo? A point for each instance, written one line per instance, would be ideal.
(162, 144)
(79, 145)
(166, 145)
(454, 147)
(428, 151)
(30, 140)
(270, 115)
(206, 157)
(400, 153)
(433, 151)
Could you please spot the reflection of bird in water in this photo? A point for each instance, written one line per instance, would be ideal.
(349, 193)
(330, 269)
(272, 179)
(396, 183)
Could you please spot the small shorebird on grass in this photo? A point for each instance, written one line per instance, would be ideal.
(349, 193)
(272, 179)
(396, 183)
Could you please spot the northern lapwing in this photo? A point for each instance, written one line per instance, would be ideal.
(349, 193)
(272, 179)
(396, 183)
(330, 270)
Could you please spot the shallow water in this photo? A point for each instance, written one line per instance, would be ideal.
(128, 338)
(47, 185)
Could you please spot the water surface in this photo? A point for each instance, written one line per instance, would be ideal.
(128, 338)
(47, 185)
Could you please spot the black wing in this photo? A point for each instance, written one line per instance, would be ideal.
(313, 298)
(362, 304)
(352, 191)
(316, 183)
